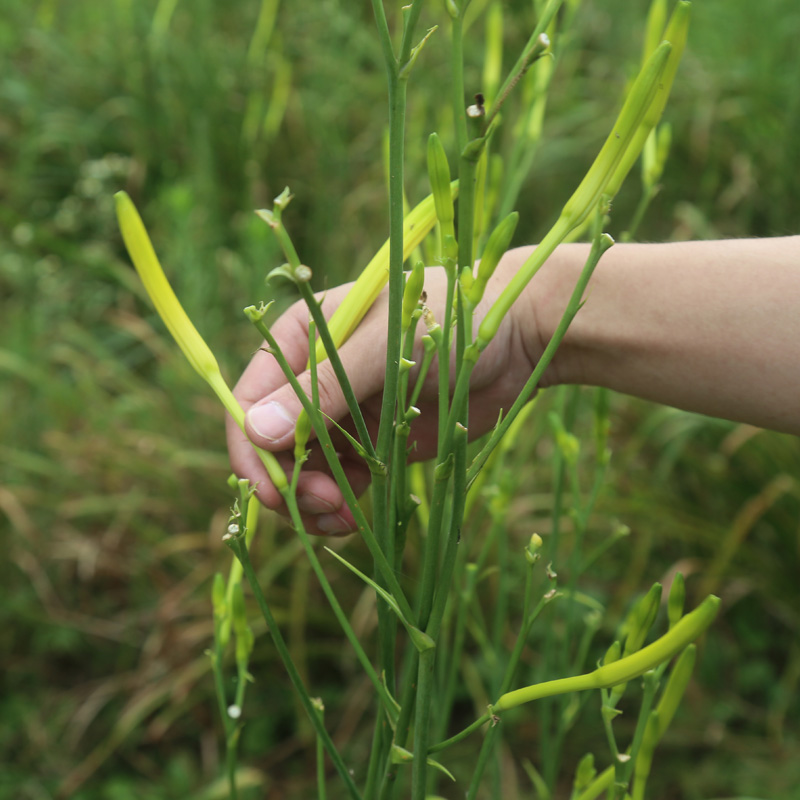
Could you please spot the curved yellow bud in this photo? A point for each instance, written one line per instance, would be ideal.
(676, 639)
(416, 226)
(158, 289)
(191, 343)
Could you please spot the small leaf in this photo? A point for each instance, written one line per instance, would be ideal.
(376, 467)
(283, 271)
(400, 755)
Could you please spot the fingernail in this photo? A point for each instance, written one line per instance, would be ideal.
(311, 504)
(333, 524)
(271, 421)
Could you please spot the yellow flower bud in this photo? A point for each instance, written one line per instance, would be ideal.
(177, 321)
(416, 226)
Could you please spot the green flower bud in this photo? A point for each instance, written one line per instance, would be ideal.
(302, 432)
(439, 177)
(641, 619)
(662, 715)
(568, 445)
(193, 346)
(585, 773)
(495, 249)
(241, 627)
(363, 293)
(676, 34)
(612, 654)
(619, 142)
(413, 292)
(690, 627)
(218, 596)
(654, 28)
(677, 597)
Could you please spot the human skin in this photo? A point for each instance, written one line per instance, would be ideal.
(712, 327)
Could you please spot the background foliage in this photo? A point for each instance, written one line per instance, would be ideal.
(112, 460)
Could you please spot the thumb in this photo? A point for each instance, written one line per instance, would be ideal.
(270, 422)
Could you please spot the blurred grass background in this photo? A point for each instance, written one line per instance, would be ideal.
(112, 458)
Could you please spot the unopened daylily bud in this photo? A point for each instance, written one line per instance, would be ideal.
(439, 177)
(677, 597)
(495, 249)
(568, 444)
(676, 34)
(412, 292)
(493, 58)
(654, 28)
(160, 292)
(619, 142)
(302, 432)
(641, 619)
(241, 627)
(218, 596)
(662, 715)
(625, 669)
(585, 772)
(466, 279)
(178, 323)
(416, 226)
(612, 654)
(598, 180)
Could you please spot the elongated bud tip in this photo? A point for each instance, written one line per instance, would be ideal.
(677, 598)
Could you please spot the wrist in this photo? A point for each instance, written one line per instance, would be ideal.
(542, 306)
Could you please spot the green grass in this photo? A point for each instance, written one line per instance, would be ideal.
(112, 462)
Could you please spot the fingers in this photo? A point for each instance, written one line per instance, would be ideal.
(272, 409)
(271, 419)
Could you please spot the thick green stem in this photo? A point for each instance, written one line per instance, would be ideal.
(457, 71)
(338, 473)
(397, 109)
(419, 772)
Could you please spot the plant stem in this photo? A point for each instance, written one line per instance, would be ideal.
(341, 376)
(338, 473)
(544, 21)
(280, 645)
(419, 770)
(598, 248)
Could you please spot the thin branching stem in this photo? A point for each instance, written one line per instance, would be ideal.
(241, 553)
(339, 475)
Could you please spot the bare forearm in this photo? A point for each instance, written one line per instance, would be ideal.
(712, 327)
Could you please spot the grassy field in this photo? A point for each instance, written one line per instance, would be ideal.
(112, 457)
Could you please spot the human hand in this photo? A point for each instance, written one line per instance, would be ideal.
(272, 407)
